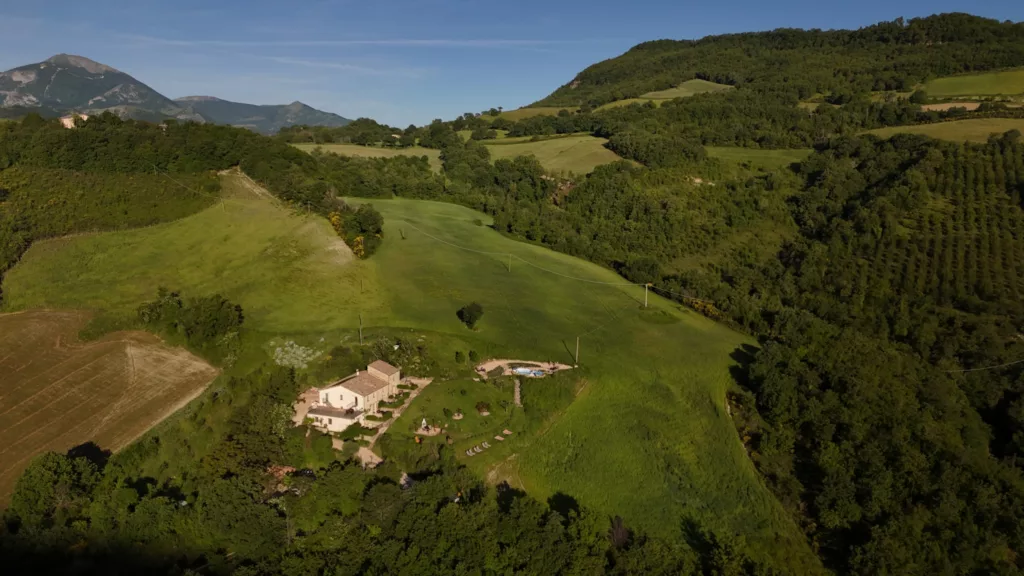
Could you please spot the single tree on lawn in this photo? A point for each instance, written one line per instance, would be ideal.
(470, 314)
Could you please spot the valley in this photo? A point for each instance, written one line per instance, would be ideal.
(779, 273)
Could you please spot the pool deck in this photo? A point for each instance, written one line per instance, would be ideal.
(508, 367)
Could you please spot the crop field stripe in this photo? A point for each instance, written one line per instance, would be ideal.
(51, 384)
(73, 390)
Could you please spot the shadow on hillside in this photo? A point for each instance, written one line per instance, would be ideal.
(25, 558)
(507, 495)
(563, 504)
(744, 356)
(91, 452)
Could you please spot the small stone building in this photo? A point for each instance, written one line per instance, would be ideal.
(349, 400)
(69, 120)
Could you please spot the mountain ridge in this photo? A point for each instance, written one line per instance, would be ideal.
(66, 83)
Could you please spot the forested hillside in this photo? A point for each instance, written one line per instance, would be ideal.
(796, 64)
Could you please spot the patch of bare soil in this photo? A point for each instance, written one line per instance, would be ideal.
(950, 105)
(57, 392)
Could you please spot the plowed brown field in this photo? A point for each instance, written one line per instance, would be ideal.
(57, 392)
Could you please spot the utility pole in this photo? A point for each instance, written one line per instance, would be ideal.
(360, 328)
(577, 350)
(646, 286)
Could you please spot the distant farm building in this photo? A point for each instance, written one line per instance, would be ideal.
(351, 399)
(69, 120)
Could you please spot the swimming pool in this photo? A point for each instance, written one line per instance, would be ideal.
(528, 372)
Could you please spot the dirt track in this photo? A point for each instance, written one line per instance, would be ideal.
(57, 392)
(950, 105)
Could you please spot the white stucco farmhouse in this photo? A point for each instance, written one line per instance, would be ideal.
(350, 399)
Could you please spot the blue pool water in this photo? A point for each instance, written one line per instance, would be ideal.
(528, 372)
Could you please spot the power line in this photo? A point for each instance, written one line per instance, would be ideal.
(528, 263)
(454, 245)
(987, 367)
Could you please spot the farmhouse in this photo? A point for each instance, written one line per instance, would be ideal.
(349, 400)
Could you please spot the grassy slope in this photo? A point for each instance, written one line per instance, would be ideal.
(648, 436)
(1005, 83)
(374, 152)
(767, 159)
(579, 154)
(684, 90)
(522, 113)
(281, 268)
(977, 130)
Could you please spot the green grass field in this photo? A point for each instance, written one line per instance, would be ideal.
(374, 152)
(1004, 83)
(579, 154)
(687, 89)
(684, 90)
(522, 113)
(644, 434)
(629, 101)
(977, 130)
(766, 159)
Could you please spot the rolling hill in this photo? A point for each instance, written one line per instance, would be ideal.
(265, 119)
(802, 62)
(67, 83)
(278, 265)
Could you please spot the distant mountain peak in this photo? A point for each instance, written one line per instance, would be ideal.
(198, 99)
(69, 83)
(88, 65)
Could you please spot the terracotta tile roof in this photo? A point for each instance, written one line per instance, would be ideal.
(383, 367)
(362, 384)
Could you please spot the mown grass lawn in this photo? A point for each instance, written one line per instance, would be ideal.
(639, 430)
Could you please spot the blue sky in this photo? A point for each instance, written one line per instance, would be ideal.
(399, 61)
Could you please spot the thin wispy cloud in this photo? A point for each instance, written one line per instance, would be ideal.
(346, 67)
(387, 42)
